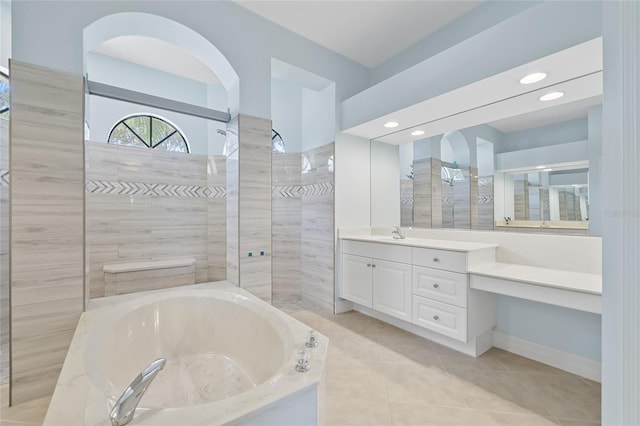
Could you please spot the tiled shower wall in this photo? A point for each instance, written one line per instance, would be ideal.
(286, 225)
(47, 197)
(406, 202)
(303, 220)
(4, 251)
(486, 219)
(145, 204)
(318, 226)
(427, 193)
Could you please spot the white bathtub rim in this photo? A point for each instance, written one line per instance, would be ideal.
(117, 312)
(74, 396)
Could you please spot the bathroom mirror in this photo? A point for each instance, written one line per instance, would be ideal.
(553, 196)
(523, 158)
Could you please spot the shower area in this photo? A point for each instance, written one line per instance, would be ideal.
(302, 179)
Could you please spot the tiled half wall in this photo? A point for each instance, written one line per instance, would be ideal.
(145, 204)
(47, 212)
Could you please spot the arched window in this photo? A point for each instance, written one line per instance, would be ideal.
(277, 143)
(148, 131)
(4, 95)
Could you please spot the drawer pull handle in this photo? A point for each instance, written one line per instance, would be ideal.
(435, 317)
(368, 265)
(373, 265)
(436, 285)
(435, 259)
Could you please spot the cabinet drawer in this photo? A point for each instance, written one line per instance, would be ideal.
(443, 286)
(440, 259)
(389, 252)
(440, 317)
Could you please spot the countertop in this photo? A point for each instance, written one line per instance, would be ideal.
(461, 246)
(556, 278)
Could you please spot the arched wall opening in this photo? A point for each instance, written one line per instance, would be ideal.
(146, 203)
(156, 56)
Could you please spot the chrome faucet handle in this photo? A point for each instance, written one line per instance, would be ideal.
(312, 339)
(302, 360)
(125, 407)
(397, 233)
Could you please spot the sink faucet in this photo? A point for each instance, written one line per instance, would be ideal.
(397, 234)
(125, 407)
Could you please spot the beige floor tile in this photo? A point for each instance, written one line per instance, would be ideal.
(30, 412)
(355, 381)
(423, 415)
(455, 361)
(513, 362)
(569, 422)
(565, 397)
(356, 412)
(497, 391)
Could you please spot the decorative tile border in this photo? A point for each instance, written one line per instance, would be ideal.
(4, 177)
(154, 189)
(298, 191)
(485, 199)
(406, 201)
(286, 191)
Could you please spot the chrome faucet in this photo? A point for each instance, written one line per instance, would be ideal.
(125, 407)
(397, 234)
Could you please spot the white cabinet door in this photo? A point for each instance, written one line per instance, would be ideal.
(392, 289)
(356, 279)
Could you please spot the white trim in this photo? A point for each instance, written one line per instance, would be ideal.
(343, 305)
(563, 360)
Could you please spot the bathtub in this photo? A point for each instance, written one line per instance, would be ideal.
(230, 360)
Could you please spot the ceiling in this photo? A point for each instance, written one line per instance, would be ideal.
(577, 71)
(367, 32)
(157, 54)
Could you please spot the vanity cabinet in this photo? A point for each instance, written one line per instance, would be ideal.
(426, 288)
(382, 285)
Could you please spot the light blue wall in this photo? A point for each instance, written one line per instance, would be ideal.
(477, 20)
(560, 328)
(5, 33)
(536, 32)
(103, 113)
(286, 112)
(245, 39)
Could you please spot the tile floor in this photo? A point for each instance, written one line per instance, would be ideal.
(377, 374)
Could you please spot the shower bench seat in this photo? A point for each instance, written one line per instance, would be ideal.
(131, 277)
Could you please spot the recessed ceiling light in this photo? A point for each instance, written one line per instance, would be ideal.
(547, 170)
(534, 77)
(417, 133)
(540, 167)
(391, 124)
(551, 96)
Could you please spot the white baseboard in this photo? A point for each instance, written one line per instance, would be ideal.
(566, 361)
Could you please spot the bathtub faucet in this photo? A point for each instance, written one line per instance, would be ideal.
(125, 407)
